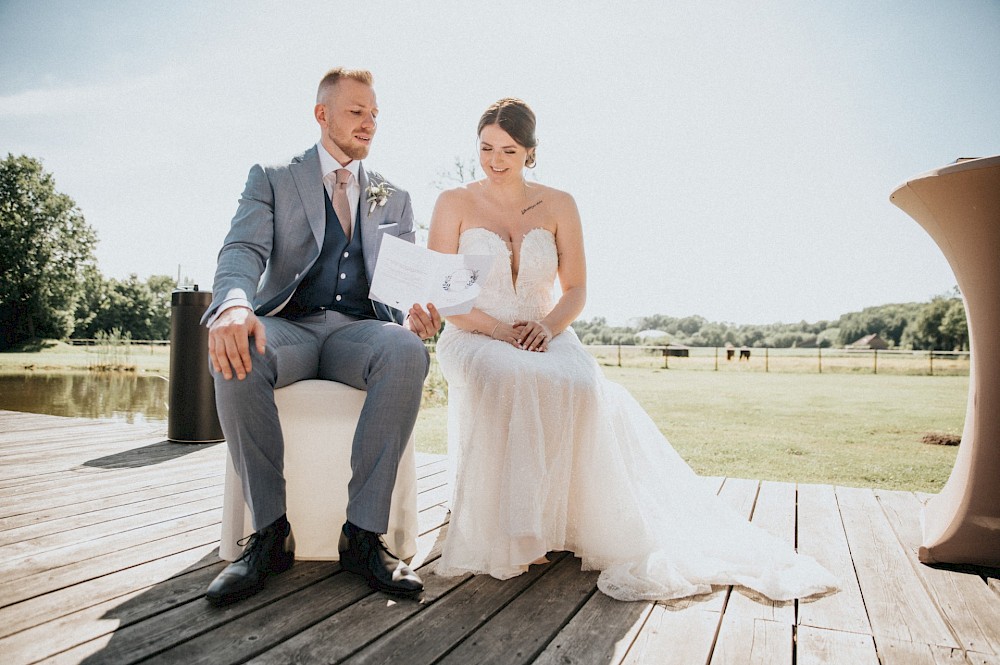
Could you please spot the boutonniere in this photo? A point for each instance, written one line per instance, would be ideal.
(378, 192)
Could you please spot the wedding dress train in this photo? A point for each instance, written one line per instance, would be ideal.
(552, 456)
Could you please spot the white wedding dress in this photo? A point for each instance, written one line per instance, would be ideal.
(552, 456)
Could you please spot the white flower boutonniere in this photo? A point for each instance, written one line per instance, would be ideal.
(378, 192)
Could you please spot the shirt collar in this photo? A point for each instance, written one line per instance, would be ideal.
(327, 163)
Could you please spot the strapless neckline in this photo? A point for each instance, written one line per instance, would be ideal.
(514, 282)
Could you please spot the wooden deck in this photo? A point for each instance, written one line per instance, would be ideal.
(109, 536)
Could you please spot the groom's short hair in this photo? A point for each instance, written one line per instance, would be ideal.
(331, 77)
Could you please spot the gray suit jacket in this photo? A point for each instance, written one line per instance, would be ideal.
(277, 233)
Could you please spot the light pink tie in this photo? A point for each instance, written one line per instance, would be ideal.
(340, 203)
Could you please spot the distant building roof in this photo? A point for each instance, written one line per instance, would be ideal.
(872, 341)
(651, 334)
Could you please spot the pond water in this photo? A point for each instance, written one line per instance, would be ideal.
(125, 397)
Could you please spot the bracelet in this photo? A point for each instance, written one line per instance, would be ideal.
(494, 330)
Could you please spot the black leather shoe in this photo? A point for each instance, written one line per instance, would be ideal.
(268, 552)
(363, 553)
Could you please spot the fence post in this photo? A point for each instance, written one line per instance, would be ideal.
(930, 358)
(665, 355)
(875, 362)
(716, 359)
(619, 354)
(819, 350)
(767, 364)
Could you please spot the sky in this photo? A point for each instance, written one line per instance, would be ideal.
(730, 159)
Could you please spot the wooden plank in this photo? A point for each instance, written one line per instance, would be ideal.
(821, 535)
(81, 506)
(774, 512)
(426, 481)
(247, 636)
(344, 633)
(52, 486)
(35, 556)
(671, 637)
(600, 632)
(103, 450)
(741, 494)
(180, 624)
(99, 620)
(898, 652)
(126, 463)
(753, 641)
(337, 637)
(77, 597)
(74, 441)
(967, 603)
(55, 428)
(606, 630)
(190, 532)
(57, 531)
(434, 497)
(818, 646)
(431, 518)
(898, 606)
(435, 631)
(522, 629)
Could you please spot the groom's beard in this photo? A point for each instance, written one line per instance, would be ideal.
(355, 152)
(352, 147)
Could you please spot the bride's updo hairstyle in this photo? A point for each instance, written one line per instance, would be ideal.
(515, 118)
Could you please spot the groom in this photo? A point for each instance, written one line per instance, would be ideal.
(291, 303)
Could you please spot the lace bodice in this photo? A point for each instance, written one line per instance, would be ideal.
(530, 298)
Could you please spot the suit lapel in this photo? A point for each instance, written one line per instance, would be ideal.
(309, 182)
(369, 227)
(369, 238)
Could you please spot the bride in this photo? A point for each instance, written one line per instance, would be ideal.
(551, 456)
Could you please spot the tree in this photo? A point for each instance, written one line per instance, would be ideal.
(141, 309)
(955, 326)
(893, 323)
(461, 171)
(942, 325)
(47, 245)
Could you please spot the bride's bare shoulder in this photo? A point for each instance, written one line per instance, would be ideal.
(459, 198)
(559, 201)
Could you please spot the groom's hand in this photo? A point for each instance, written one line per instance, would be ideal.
(424, 324)
(229, 341)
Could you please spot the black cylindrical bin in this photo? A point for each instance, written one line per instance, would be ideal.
(192, 417)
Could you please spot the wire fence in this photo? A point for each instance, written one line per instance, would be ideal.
(718, 359)
(801, 360)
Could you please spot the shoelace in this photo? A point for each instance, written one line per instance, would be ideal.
(365, 545)
(252, 544)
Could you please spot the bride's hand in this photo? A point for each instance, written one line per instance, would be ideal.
(506, 333)
(533, 335)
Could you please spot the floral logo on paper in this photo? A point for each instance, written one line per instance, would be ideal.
(460, 280)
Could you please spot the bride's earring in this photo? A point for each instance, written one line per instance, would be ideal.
(530, 161)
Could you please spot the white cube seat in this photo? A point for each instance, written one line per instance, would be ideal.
(318, 419)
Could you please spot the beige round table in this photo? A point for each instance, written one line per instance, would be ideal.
(959, 206)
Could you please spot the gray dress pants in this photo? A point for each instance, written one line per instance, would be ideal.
(384, 359)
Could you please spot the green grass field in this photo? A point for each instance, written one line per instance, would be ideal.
(851, 428)
(858, 430)
(60, 356)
